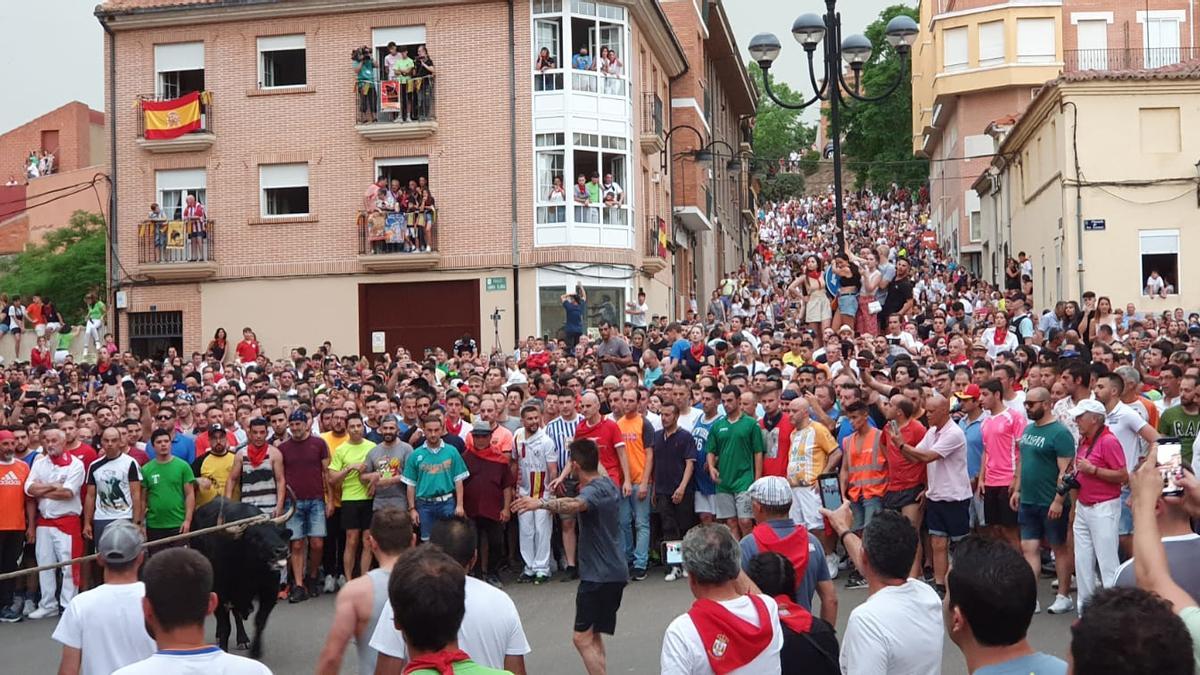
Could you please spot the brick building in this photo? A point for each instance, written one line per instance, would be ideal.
(73, 132)
(282, 163)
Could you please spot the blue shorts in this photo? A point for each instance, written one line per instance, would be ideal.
(951, 520)
(848, 304)
(864, 510)
(1126, 525)
(1037, 525)
(308, 520)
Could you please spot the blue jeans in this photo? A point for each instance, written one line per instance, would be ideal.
(431, 513)
(637, 552)
(308, 520)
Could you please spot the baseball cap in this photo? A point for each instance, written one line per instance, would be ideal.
(789, 395)
(971, 392)
(1088, 405)
(120, 543)
(771, 491)
(298, 415)
(481, 428)
(6, 435)
(611, 382)
(216, 428)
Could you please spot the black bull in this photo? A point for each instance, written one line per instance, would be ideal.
(246, 567)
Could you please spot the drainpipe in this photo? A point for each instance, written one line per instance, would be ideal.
(512, 150)
(114, 278)
(1078, 189)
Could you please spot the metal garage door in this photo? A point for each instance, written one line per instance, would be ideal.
(419, 314)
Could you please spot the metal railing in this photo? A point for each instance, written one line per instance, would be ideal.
(652, 114)
(206, 112)
(382, 233)
(176, 241)
(396, 102)
(599, 214)
(653, 247)
(1126, 58)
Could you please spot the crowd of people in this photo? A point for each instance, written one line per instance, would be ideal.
(869, 409)
(399, 88)
(413, 211)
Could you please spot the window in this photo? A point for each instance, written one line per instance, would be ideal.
(284, 189)
(1035, 41)
(1161, 30)
(955, 49)
(550, 165)
(550, 140)
(547, 6)
(281, 61)
(604, 303)
(547, 36)
(179, 68)
(976, 226)
(173, 187)
(589, 140)
(1160, 253)
(991, 43)
(152, 334)
(606, 58)
(1091, 37)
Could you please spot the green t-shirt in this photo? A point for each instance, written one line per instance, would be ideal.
(64, 340)
(346, 454)
(1041, 448)
(1191, 619)
(433, 473)
(1175, 422)
(402, 64)
(734, 444)
(96, 311)
(467, 667)
(163, 483)
(593, 192)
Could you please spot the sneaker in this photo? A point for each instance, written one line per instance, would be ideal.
(341, 581)
(570, 573)
(928, 575)
(540, 579)
(1054, 584)
(940, 589)
(30, 607)
(10, 615)
(1037, 607)
(844, 563)
(831, 561)
(675, 573)
(638, 574)
(330, 584)
(297, 594)
(525, 579)
(494, 580)
(1062, 604)
(856, 580)
(312, 588)
(43, 613)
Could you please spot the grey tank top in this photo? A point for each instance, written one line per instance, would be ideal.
(379, 597)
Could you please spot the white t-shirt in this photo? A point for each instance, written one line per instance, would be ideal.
(1154, 284)
(205, 661)
(106, 625)
(897, 631)
(533, 455)
(1125, 423)
(111, 478)
(689, 417)
(491, 628)
(684, 654)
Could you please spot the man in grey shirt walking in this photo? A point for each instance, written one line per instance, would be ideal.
(385, 464)
(612, 351)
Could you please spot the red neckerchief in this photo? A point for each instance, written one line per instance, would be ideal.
(255, 455)
(698, 351)
(490, 453)
(454, 429)
(61, 459)
(794, 547)
(443, 662)
(794, 616)
(999, 337)
(730, 641)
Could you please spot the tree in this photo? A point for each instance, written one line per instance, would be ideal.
(878, 136)
(782, 186)
(62, 269)
(778, 132)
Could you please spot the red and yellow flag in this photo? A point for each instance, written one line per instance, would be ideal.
(173, 118)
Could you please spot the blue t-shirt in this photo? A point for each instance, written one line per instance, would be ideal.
(704, 483)
(974, 433)
(679, 349)
(184, 448)
(816, 570)
(1031, 664)
(582, 62)
(574, 310)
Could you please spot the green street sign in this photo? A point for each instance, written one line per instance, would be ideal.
(496, 283)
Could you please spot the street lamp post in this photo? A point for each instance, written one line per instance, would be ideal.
(809, 30)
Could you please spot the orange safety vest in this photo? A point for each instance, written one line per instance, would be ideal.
(866, 467)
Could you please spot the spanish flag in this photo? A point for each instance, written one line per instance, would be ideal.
(173, 118)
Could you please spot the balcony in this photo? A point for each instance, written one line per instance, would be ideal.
(396, 242)
(405, 111)
(652, 124)
(177, 250)
(1129, 58)
(196, 140)
(654, 255)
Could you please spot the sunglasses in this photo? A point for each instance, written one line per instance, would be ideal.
(163, 418)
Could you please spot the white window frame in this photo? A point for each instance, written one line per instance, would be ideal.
(176, 57)
(1030, 49)
(1143, 235)
(991, 43)
(401, 35)
(279, 43)
(275, 176)
(183, 181)
(955, 49)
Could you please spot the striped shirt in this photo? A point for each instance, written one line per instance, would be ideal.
(562, 432)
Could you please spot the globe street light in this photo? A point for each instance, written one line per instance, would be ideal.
(812, 30)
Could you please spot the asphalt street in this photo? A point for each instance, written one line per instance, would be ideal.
(296, 633)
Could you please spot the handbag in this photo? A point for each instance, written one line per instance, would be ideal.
(874, 307)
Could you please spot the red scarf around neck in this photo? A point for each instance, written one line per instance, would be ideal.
(730, 641)
(794, 547)
(491, 453)
(61, 459)
(442, 662)
(257, 455)
(794, 616)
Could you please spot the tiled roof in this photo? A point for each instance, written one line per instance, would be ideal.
(1184, 70)
(128, 5)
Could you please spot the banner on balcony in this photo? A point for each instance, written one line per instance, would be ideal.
(389, 95)
(662, 238)
(397, 224)
(173, 118)
(176, 235)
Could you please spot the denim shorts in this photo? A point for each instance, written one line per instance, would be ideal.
(848, 304)
(1126, 525)
(1036, 524)
(864, 510)
(308, 520)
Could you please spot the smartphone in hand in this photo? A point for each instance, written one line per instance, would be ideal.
(831, 491)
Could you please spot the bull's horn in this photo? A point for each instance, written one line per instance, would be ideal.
(291, 510)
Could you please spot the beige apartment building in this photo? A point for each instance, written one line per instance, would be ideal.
(978, 63)
(1098, 182)
(284, 159)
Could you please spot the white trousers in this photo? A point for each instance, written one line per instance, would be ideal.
(1096, 547)
(806, 508)
(92, 331)
(535, 529)
(52, 546)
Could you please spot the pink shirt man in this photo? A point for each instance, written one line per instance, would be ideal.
(1000, 434)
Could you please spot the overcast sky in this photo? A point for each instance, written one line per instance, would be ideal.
(32, 87)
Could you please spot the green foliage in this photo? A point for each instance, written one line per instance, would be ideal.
(782, 186)
(878, 136)
(778, 131)
(63, 268)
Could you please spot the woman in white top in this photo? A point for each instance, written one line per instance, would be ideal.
(747, 357)
(557, 192)
(998, 338)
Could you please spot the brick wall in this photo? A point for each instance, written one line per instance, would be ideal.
(73, 122)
